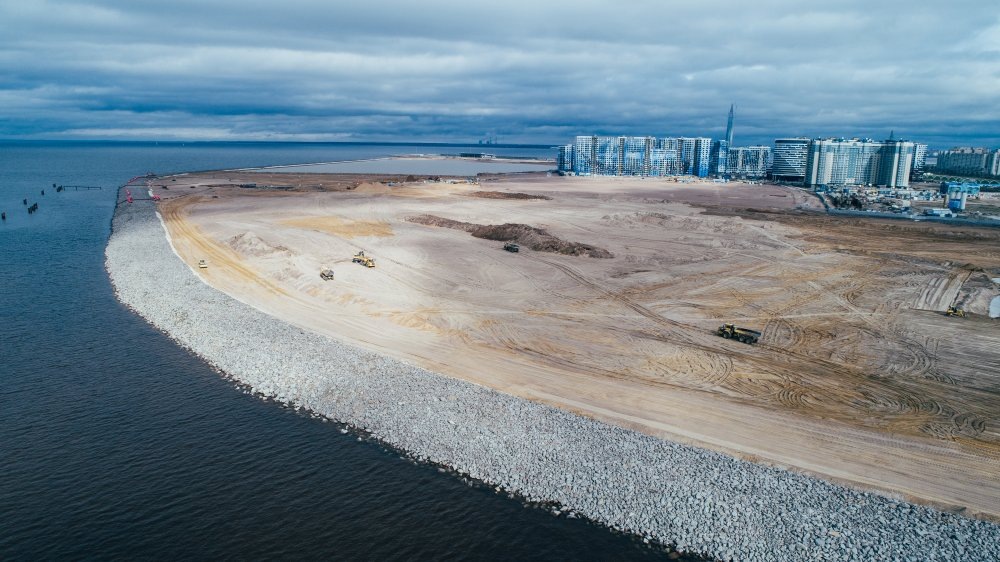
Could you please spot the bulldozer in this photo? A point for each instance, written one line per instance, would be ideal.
(745, 335)
(364, 260)
(955, 311)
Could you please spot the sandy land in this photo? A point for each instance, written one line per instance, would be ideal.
(859, 376)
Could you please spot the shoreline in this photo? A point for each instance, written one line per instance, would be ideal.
(718, 506)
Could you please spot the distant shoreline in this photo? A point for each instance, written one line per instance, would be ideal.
(453, 165)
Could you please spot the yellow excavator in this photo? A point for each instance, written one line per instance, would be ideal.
(364, 260)
(955, 311)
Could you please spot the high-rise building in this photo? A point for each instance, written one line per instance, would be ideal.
(609, 156)
(564, 158)
(895, 163)
(919, 159)
(729, 125)
(696, 154)
(719, 158)
(702, 156)
(968, 161)
(790, 159)
(584, 155)
(633, 156)
(625, 156)
(665, 158)
(749, 161)
(859, 162)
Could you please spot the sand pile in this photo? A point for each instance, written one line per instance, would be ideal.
(251, 245)
(536, 239)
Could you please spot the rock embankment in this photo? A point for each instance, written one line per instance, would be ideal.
(701, 501)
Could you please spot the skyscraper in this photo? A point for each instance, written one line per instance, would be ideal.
(729, 125)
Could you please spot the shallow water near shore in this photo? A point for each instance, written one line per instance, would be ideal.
(116, 443)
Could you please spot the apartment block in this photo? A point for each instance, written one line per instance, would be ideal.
(859, 162)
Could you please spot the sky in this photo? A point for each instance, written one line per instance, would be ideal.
(517, 71)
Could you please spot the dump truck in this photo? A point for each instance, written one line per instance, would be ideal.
(955, 311)
(326, 274)
(511, 247)
(364, 260)
(745, 335)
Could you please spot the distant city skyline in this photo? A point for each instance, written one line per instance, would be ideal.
(517, 72)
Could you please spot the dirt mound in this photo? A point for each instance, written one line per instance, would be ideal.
(249, 244)
(528, 236)
(505, 195)
(345, 228)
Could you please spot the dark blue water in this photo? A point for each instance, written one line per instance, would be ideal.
(115, 443)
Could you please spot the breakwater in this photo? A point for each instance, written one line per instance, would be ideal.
(702, 501)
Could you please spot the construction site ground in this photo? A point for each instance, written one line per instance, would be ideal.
(859, 376)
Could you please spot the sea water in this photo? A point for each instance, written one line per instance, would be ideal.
(116, 443)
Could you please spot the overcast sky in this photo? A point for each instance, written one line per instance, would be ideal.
(526, 71)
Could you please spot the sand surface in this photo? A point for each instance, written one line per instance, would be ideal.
(859, 377)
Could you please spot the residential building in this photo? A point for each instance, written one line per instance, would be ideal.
(702, 157)
(729, 125)
(968, 161)
(564, 158)
(790, 159)
(859, 162)
(895, 163)
(919, 159)
(718, 159)
(696, 155)
(583, 155)
(634, 156)
(749, 161)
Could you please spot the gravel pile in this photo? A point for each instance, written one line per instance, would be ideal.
(700, 501)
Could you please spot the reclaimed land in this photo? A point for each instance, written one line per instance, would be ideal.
(574, 380)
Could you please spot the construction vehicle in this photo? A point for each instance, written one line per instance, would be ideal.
(364, 260)
(955, 311)
(326, 274)
(745, 335)
(202, 264)
(511, 247)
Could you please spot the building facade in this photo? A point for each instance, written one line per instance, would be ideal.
(749, 161)
(859, 162)
(729, 125)
(968, 161)
(564, 158)
(919, 159)
(718, 159)
(790, 159)
(634, 156)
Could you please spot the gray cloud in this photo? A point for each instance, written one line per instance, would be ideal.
(528, 71)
